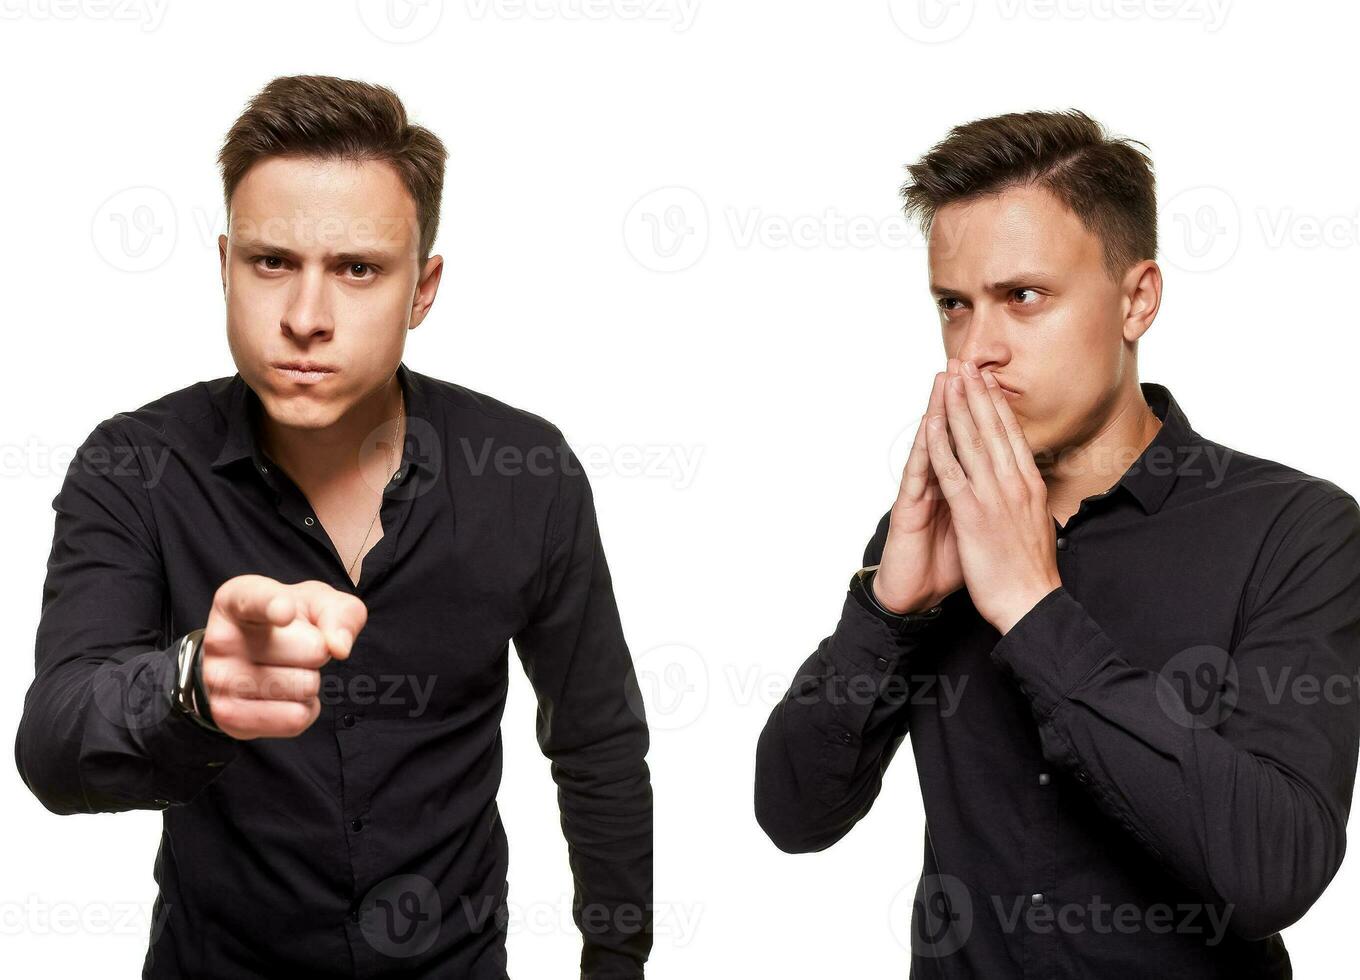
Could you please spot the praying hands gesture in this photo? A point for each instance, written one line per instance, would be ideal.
(975, 514)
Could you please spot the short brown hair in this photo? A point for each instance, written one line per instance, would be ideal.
(1105, 181)
(338, 118)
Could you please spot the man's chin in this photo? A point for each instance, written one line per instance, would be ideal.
(299, 409)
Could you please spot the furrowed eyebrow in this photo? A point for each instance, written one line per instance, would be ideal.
(248, 245)
(1017, 281)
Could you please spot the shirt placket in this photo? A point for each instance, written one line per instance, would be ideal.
(346, 715)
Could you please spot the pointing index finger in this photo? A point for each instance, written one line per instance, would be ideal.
(256, 600)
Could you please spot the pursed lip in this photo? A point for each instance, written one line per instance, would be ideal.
(304, 366)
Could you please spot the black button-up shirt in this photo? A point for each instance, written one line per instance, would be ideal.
(1150, 774)
(371, 844)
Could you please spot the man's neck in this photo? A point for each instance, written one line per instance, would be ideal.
(1102, 459)
(320, 457)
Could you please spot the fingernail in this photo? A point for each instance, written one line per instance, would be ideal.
(970, 369)
(344, 640)
(989, 379)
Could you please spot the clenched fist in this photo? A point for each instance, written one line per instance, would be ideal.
(263, 650)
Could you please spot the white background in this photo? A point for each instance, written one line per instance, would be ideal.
(777, 329)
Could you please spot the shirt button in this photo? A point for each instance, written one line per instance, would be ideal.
(357, 824)
(1043, 779)
(847, 738)
(882, 664)
(349, 721)
(1062, 544)
(1082, 777)
(1037, 898)
(308, 521)
(354, 915)
(264, 469)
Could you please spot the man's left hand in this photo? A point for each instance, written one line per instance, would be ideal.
(997, 498)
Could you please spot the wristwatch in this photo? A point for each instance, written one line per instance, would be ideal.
(862, 588)
(188, 696)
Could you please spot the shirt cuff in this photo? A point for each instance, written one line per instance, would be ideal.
(135, 749)
(187, 755)
(863, 641)
(609, 965)
(1051, 649)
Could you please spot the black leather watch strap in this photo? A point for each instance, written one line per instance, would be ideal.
(862, 588)
(201, 692)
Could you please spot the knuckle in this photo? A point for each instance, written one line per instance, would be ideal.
(237, 682)
(214, 634)
(297, 717)
(213, 673)
(225, 713)
(273, 686)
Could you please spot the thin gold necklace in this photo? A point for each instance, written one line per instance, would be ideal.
(401, 416)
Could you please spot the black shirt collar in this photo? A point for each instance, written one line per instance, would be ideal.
(1154, 472)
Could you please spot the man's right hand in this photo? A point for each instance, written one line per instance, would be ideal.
(920, 564)
(263, 650)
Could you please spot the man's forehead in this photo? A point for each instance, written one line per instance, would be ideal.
(999, 236)
(306, 204)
